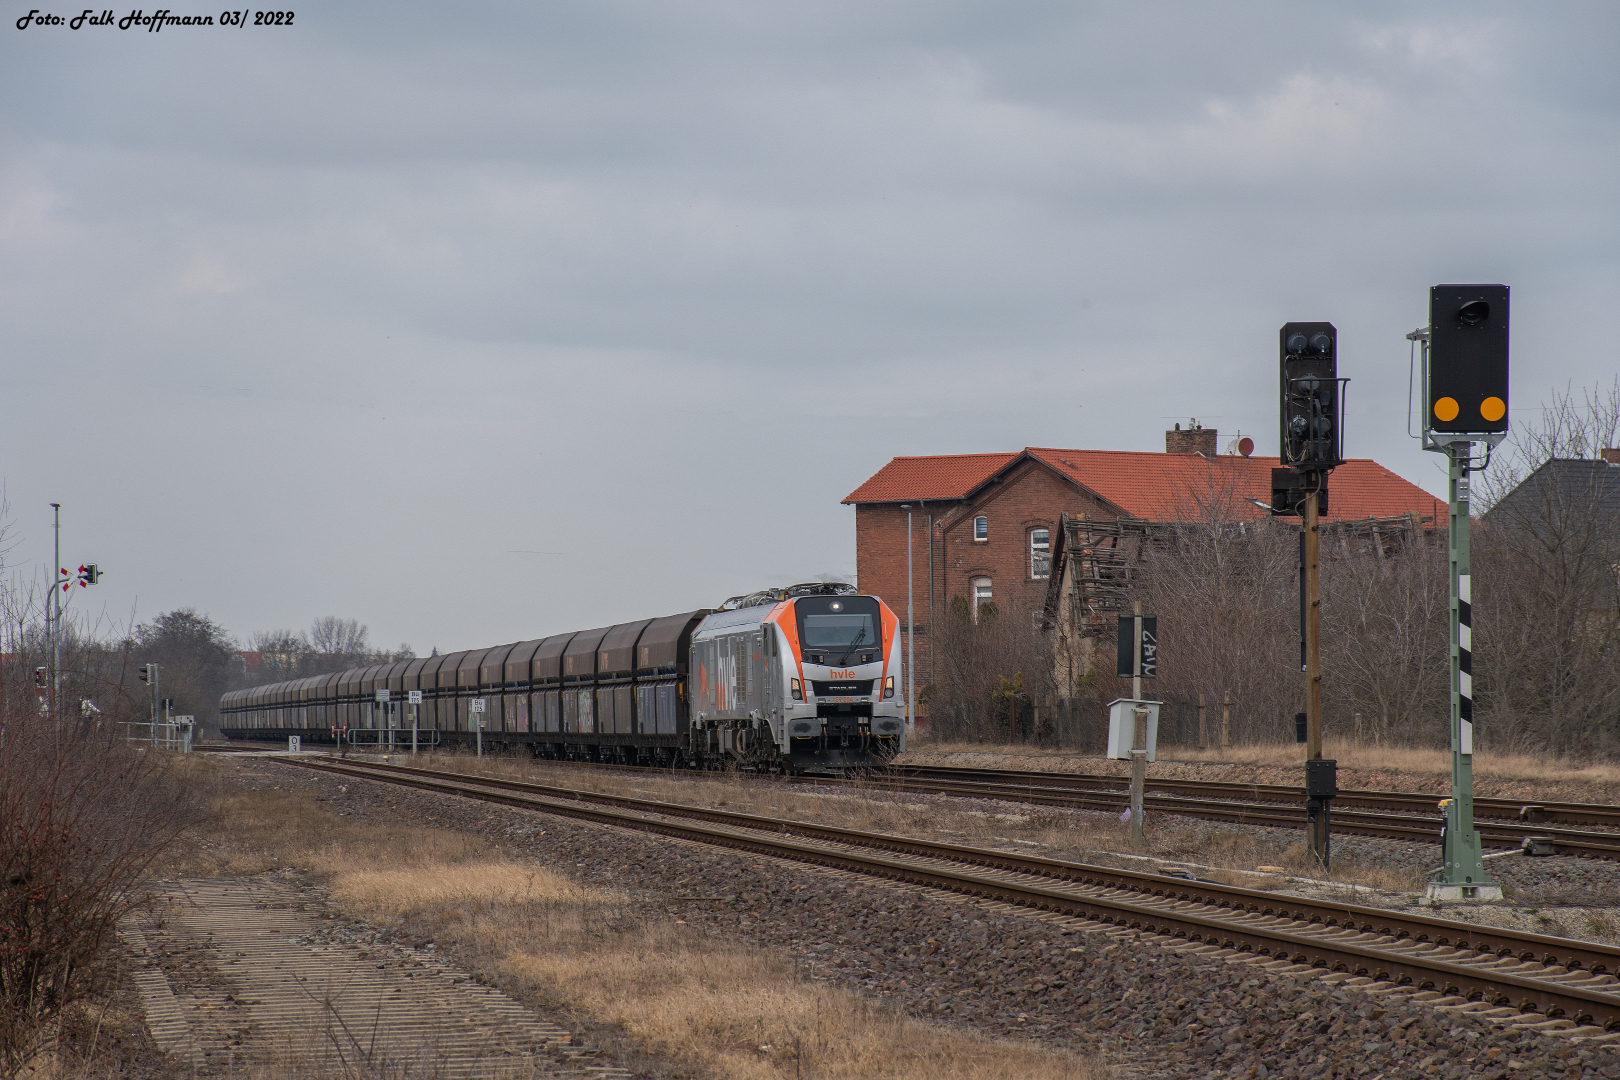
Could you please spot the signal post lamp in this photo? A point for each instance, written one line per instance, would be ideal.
(1465, 401)
(1311, 446)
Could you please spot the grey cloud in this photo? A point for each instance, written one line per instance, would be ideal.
(654, 286)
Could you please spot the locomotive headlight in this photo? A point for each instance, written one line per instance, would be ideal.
(888, 688)
(798, 691)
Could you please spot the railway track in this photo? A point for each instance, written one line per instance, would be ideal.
(1392, 815)
(1388, 825)
(1516, 977)
(1386, 814)
(1552, 813)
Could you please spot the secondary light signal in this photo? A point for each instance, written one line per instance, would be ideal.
(1310, 436)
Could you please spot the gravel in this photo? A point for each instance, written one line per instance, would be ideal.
(1150, 1010)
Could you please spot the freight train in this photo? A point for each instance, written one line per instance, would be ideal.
(800, 679)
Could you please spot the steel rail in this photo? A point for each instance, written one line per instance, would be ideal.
(1500, 835)
(1248, 923)
(1569, 813)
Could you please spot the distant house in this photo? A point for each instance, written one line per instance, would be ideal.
(986, 527)
(1562, 487)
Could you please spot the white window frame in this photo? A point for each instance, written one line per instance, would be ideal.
(981, 529)
(987, 597)
(1044, 553)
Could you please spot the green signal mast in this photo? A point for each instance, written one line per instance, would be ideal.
(1465, 400)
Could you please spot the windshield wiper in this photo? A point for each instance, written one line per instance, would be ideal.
(845, 658)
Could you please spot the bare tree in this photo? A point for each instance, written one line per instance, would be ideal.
(196, 657)
(1567, 430)
(1547, 575)
(1222, 594)
(1385, 623)
(994, 667)
(332, 636)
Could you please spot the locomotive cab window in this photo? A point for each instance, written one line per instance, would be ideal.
(839, 630)
(981, 529)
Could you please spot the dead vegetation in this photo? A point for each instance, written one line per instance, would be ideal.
(732, 1010)
(83, 815)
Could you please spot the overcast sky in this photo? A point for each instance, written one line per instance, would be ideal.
(476, 322)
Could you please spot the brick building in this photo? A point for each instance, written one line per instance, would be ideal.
(984, 525)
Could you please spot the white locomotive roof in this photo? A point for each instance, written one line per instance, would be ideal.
(730, 621)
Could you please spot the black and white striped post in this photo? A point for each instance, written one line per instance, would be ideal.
(1463, 876)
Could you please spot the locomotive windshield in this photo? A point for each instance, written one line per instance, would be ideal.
(840, 627)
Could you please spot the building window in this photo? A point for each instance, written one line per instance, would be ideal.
(981, 529)
(1040, 553)
(981, 595)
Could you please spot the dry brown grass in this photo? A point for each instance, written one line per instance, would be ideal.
(731, 1010)
(1417, 761)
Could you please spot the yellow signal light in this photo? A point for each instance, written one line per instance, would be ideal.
(1445, 410)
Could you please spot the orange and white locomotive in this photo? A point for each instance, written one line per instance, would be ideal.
(801, 678)
(804, 678)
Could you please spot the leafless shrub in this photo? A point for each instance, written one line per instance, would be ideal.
(1222, 593)
(1386, 663)
(993, 671)
(1225, 588)
(1546, 565)
(83, 815)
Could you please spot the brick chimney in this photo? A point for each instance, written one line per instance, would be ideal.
(1611, 454)
(1190, 440)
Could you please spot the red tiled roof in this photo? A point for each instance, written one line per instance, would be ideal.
(942, 476)
(1177, 487)
(1156, 486)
